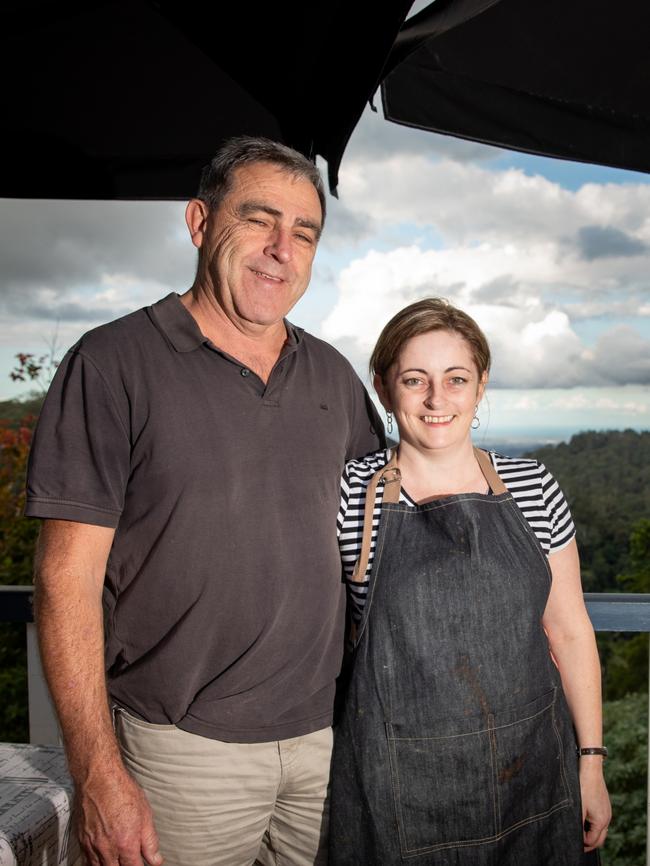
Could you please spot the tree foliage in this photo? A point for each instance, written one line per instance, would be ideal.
(626, 734)
(625, 656)
(14, 721)
(17, 537)
(637, 577)
(606, 479)
(38, 370)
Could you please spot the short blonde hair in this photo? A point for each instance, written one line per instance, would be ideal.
(430, 314)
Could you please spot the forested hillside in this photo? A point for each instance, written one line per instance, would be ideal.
(13, 412)
(606, 479)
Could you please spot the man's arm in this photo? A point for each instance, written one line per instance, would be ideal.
(114, 820)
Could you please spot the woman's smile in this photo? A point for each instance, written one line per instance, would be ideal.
(437, 419)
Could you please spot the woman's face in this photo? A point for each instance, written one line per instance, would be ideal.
(432, 390)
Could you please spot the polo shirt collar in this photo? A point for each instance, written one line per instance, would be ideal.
(177, 324)
(182, 331)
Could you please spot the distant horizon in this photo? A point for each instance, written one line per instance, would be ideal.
(494, 433)
(519, 443)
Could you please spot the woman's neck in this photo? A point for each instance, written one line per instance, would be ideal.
(430, 474)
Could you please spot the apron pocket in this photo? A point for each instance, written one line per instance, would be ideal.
(464, 783)
(531, 781)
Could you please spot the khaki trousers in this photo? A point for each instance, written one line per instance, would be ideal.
(232, 803)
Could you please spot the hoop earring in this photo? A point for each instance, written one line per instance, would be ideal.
(389, 421)
(476, 419)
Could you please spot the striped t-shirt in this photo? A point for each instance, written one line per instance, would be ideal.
(531, 485)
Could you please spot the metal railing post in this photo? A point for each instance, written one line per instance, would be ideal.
(43, 725)
(16, 606)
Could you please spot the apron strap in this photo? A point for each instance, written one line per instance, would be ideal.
(392, 488)
(392, 478)
(489, 472)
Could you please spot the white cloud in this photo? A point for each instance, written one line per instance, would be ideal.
(472, 203)
(623, 355)
(593, 401)
(90, 261)
(534, 344)
(531, 260)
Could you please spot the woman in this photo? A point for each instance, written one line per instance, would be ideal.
(471, 731)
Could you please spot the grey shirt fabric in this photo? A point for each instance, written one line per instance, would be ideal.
(223, 598)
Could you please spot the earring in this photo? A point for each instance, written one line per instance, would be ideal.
(389, 421)
(476, 419)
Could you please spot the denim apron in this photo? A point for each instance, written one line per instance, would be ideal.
(455, 744)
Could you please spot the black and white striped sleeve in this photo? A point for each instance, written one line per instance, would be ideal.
(540, 499)
(354, 484)
(562, 527)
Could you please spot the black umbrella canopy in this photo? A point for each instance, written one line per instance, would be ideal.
(563, 78)
(130, 98)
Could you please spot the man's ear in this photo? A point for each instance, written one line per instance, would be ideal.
(196, 213)
(380, 388)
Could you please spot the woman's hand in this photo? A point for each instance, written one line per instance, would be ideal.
(596, 809)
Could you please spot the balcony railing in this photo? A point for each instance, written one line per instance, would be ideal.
(16, 606)
(616, 612)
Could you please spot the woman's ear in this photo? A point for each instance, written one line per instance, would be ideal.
(481, 386)
(380, 388)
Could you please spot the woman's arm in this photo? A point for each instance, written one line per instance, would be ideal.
(573, 644)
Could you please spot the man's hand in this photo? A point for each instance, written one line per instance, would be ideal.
(114, 821)
(113, 818)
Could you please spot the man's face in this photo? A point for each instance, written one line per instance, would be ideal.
(258, 246)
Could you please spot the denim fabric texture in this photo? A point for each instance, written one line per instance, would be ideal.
(455, 745)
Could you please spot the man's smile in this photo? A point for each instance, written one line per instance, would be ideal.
(266, 276)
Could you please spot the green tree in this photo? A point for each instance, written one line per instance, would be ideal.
(625, 657)
(17, 537)
(606, 479)
(37, 370)
(637, 578)
(625, 666)
(14, 721)
(626, 735)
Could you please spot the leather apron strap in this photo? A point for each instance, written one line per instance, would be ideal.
(489, 472)
(392, 485)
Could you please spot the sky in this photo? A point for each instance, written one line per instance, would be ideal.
(551, 258)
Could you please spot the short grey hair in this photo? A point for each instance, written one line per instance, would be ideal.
(216, 178)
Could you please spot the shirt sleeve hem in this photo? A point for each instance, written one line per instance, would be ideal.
(58, 509)
(562, 544)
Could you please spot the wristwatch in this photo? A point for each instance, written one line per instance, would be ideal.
(592, 750)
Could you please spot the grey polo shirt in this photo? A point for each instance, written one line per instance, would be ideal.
(223, 595)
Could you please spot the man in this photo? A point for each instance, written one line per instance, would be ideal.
(187, 465)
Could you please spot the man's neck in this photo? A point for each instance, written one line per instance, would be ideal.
(258, 347)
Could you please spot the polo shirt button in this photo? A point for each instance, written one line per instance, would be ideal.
(245, 371)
